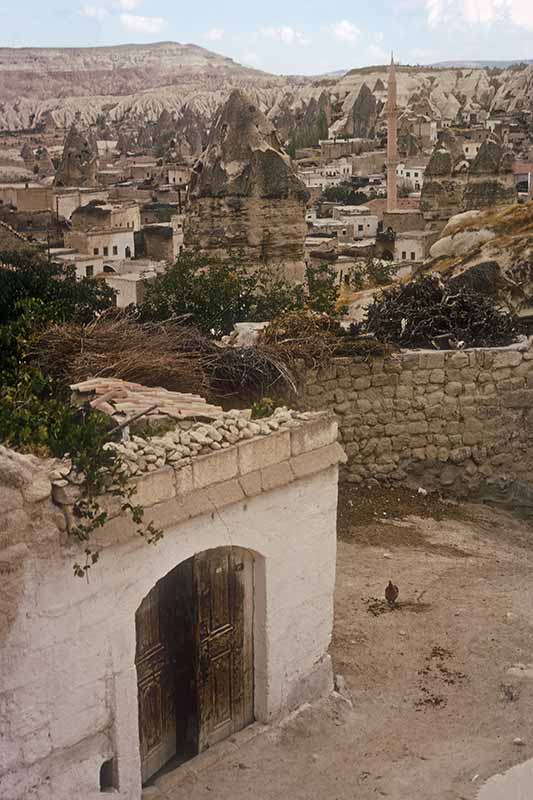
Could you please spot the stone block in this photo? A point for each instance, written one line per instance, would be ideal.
(432, 360)
(420, 426)
(458, 361)
(251, 483)
(312, 435)
(225, 494)
(39, 489)
(362, 383)
(263, 451)
(220, 466)
(437, 376)
(184, 479)
(276, 475)
(318, 460)
(508, 358)
(155, 487)
(454, 388)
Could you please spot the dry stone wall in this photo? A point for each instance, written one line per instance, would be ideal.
(458, 420)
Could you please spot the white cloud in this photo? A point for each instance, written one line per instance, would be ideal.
(97, 13)
(286, 35)
(214, 35)
(345, 32)
(480, 12)
(148, 26)
(128, 5)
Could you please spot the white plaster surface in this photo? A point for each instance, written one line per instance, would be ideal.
(68, 686)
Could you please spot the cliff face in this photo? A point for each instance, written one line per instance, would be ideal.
(243, 194)
(452, 184)
(79, 162)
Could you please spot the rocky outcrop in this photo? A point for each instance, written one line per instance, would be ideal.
(79, 162)
(243, 193)
(363, 116)
(491, 180)
(453, 185)
(491, 252)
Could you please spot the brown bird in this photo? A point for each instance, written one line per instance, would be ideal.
(391, 594)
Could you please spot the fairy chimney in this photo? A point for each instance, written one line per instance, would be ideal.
(244, 195)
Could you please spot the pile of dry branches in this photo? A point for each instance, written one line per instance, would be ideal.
(171, 354)
(153, 354)
(316, 337)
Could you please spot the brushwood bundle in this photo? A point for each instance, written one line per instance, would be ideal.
(427, 313)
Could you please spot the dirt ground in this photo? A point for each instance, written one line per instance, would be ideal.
(433, 709)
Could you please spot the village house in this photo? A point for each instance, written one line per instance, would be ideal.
(163, 241)
(411, 173)
(413, 246)
(327, 175)
(358, 221)
(112, 244)
(178, 175)
(169, 648)
(106, 216)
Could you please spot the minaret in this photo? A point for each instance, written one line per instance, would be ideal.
(392, 139)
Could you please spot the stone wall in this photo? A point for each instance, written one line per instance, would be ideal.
(459, 420)
(68, 685)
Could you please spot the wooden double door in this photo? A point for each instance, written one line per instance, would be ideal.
(194, 657)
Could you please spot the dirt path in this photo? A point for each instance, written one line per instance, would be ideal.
(435, 711)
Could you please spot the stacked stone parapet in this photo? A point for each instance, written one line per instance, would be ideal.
(453, 419)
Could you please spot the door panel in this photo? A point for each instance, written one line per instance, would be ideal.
(194, 657)
(155, 661)
(223, 581)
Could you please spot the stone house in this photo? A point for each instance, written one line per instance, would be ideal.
(113, 244)
(163, 241)
(167, 648)
(413, 245)
(106, 216)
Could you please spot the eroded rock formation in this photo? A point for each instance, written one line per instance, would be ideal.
(453, 185)
(243, 193)
(79, 162)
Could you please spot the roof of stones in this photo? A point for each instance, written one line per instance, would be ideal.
(123, 399)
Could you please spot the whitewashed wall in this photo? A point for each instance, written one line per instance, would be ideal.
(68, 685)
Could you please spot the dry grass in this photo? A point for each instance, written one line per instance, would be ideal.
(166, 355)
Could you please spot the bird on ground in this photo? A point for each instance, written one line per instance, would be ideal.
(391, 594)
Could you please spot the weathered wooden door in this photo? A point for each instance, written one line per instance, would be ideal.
(194, 657)
(156, 683)
(223, 580)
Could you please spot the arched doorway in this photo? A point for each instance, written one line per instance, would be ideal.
(194, 657)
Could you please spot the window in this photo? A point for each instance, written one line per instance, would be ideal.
(407, 174)
(359, 227)
(404, 255)
(106, 251)
(115, 250)
(95, 251)
(413, 256)
(89, 271)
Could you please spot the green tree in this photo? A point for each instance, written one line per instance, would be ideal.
(55, 287)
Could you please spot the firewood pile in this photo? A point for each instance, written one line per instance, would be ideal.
(427, 313)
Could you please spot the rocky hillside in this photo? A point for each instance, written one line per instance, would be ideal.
(491, 252)
(129, 85)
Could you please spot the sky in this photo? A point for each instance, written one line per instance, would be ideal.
(297, 37)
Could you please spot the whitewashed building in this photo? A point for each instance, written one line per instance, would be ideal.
(167, 649)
